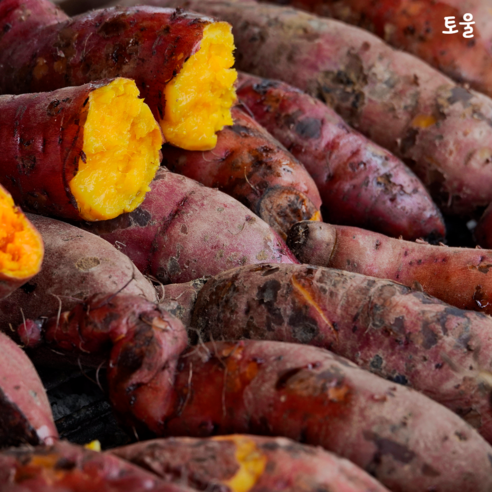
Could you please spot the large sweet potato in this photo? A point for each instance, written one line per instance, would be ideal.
(254, 168)
(183, 231)
(359, 182)
(248, 463)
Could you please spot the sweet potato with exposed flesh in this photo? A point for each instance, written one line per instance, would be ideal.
(403, 335)
(248, 463)
(25, 413)
(85, 152)
(179, 61)
(21, 247)
(458, 276)
(255, 169)
(67, 467)
(440, 129)
(76, 265)
(172, 235)
(417, 26)
(359, 182)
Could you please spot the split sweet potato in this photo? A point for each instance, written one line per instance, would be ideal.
(359, 182)
(254, 168)
(248, 463)
(179, 61)
(57, 161)
(440, 129)
(172, 235)
(21, 247)
(458, 276)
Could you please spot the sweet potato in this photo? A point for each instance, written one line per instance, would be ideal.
(57, 161)
(21, 247)
(252, 167)
(440, 129)
(483, 230)
(417, 26)
(458, 276)
(66, 467)
(180, 62)
(248, 463)
(359, 182)
(172, 235)
(76, 265)
(25, 413)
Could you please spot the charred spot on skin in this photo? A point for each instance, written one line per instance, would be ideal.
(53, 108)
(65, 464)
(263, 87)
(308, 128)
(113, 27)
(286, 376)
(408, 141)
(376, 362)
(430, 338)
(140, 217)
(27, 164)
(385, 446)
(460, 94)
(400, 379)
(303, 327)
(480, 297)
(242, 131)
(428, 471)
(29, 288)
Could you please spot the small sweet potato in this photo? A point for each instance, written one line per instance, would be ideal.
(248, 463)
(183, 231)
(459, 276)
(251, 166)
(360, 183)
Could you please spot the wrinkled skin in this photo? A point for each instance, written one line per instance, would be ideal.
(251, 166)
(360, 183)
(183, 231)
(459, 276)
(274, 464)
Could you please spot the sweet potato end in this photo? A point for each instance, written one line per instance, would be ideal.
(121, 152)
(200, 97)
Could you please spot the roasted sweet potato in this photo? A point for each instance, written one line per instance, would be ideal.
(172, 235)
(458, 276)
(252, 167)
(25, 413)
(57, 161)
(440, 129)
(21, 247)
(180, 62)
(248, 463)
(66, 467)
(359, 182)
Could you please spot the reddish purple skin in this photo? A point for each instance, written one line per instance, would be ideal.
(183, 231)
(402, 335)
(360, 183)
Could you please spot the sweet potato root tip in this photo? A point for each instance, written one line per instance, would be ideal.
(120, 155)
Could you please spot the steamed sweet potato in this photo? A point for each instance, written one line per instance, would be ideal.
(66, 467)
(440, 129)
(458, 276)
(248, 463)
(252, 167)
(417, 26)
(179, 61)
(359, 182)
(25, 413)
(183, 231)
(57, 161)
(76, 265)
(21, 247)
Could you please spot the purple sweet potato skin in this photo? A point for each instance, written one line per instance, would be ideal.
(440, 129)
(402, 335)
(25, 413)
(183, 231)
(76, 265)
(286, 465)
(360, 183)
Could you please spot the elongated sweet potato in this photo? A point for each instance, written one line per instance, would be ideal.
(248, 463)
(21, 247)
(440, 129)
(183, 231)
(25, 413)
(66, 467)
(180, 62)
(76, 265)
(359, 182)
(57, 161)
(252, 167)
(417, 26)
(458, 276)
